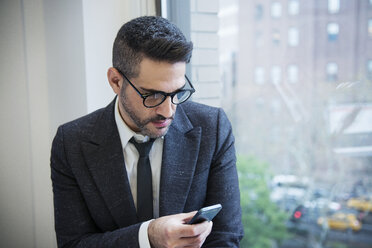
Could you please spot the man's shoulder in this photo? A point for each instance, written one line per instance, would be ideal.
(195, 108)
(199, 113)
(86, 120)
(86, 124)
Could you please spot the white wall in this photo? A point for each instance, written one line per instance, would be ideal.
(53, 56)
(25, 204)
(101, 23)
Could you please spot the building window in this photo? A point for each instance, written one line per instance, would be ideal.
(369, 68)
(333, 6)
(259, 75)
(259, 39)
(258, 12)
(292, 74)
(276, 74)
(276, 37)
(370, 27)
(276, 9)
(332, 71)
(293, 37)
(294, 7)
(332, 30)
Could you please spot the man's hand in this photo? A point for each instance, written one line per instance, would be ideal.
(172, 231)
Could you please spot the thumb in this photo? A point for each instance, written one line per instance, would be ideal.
(188, 216)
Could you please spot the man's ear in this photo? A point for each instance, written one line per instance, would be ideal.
(115, 79)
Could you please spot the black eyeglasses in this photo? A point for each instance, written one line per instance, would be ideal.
(153, 99)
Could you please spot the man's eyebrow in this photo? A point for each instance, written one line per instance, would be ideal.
(157, 91)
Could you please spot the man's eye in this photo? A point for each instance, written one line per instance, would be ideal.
(155, 96)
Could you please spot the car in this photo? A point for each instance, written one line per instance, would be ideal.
(360, 203)
(304, 213)
(341, 221)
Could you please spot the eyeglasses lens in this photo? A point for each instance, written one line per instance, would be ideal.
(181, 96)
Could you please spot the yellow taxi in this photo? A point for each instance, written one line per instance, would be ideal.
(360, 203)
(341, 221)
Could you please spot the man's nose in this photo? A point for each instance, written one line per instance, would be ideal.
(166, 108)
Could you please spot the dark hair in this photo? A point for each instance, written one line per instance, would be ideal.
(152, 37)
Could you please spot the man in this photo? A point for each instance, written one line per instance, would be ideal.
(107, 194)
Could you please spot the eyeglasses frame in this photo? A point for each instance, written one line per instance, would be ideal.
(144, 96)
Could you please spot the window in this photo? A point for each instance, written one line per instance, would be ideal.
(292, 74)
(294, 7)
(259, 39)
(301, 108)
(258, 12)
(276, 10)
(276, 37)
(293, 37)
(276, 74)
(259, 75)
(369, 68)
(333, 6)
(332, 30)
(332, 71)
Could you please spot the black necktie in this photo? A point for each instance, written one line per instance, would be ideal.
(144, 180)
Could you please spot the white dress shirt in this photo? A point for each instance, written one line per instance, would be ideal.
(131, 158)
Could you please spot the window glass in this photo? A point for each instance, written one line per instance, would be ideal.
(276, 9)
(301, 117)
(259, 39)
(293, 37)
(293, 7)
(292, 73)
(332, 30)
(276, 37)
(369, 69)
(276, 74)
(258, 12)
(333, 6)
(259, 75)
(332, 71)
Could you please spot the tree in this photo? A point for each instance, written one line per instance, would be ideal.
(264, 222)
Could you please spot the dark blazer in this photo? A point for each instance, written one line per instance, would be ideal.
(92, 197)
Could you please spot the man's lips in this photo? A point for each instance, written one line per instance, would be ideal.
(161, 123)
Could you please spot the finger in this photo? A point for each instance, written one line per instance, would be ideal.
(203, 226)
(192, 241)
(188, 216)
(196, 229)
(198, 240)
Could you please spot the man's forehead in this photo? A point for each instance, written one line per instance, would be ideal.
(155, 74)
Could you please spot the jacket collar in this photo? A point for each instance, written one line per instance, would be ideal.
(104, 157)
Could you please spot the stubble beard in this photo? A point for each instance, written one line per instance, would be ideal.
(141, 124)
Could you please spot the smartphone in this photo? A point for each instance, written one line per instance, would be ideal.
(205, 214)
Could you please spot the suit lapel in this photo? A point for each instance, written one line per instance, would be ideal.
(180, 152)
(104, 157)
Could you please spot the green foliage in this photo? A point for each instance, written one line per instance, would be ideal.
(336, 245)
(263, 222)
